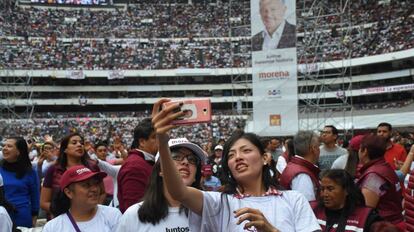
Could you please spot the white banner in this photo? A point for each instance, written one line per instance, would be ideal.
(274, 69)
(116, 74)
(74, 74)
(388, 89)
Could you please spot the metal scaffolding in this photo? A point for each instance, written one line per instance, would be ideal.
(8, 95)
(239, 76)
(317, 18)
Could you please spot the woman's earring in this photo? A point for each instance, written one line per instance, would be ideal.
(264, 163)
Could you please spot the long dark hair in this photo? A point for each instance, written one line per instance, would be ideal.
(63, 158)
(231, 184)
(354, 198)
(23, 164)
(60, 203)
(155, 206)
(352, 162)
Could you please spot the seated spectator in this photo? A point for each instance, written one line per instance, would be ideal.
(341, 204)
(378, 182)
(21, 183)
(77, 206)
(301, 173)
(159, 211)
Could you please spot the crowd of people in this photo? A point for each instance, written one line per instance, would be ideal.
(123, 54)
(162, 180)
(98, 129)
(150, 20)
(39, 38)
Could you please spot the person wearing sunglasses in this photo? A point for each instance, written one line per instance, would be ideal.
(159, 211)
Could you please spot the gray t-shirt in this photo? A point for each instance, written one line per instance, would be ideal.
(327, 157)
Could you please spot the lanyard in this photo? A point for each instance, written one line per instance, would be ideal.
(73, 222)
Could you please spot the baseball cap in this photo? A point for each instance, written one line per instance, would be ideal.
(218, 147)
(207, 169)
(78, 173)
(355, 142)
(183, 142)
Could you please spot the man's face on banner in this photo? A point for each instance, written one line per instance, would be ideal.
(272, 13)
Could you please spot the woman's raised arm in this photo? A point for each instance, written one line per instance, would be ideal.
(191, 198)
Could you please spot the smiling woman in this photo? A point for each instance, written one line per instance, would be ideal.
(21, 184)
(246, 203)
(77, 204)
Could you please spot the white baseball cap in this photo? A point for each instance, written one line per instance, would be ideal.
(218, 147)
(183, 142)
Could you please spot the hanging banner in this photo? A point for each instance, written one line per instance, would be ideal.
(116, 74)
(274, 67)
(74, 74)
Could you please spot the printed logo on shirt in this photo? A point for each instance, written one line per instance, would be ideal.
(177, 229)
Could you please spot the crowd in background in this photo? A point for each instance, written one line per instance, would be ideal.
(99, 129)
(48, 38)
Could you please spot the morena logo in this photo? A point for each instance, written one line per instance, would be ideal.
(178, 141)
(82, 170)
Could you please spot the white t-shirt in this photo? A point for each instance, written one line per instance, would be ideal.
(303, 184)
(288, 212)
(175, 221)
(281, 164)
(106, 220)
(340, 162)
(5, 221)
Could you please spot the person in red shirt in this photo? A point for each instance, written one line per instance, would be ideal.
(395, 154)
(133, 177)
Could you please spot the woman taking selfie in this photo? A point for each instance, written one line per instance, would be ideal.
(21, 184)
(159, 211)
(76, 207)
(246, 203)
(341, 204)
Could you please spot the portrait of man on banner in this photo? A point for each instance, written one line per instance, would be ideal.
(278, 32)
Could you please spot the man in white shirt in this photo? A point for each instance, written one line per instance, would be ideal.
(278, 32)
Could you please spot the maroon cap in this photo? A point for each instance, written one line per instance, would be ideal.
(207, 169)
(355, 142)
(78, 173)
